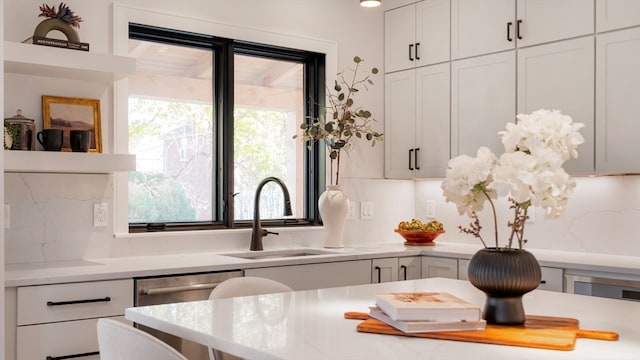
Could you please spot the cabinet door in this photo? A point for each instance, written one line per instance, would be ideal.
(482, 101)
(410, 268)
(432, 127)
(540, 21)
(432, 32)
(399, 34)
(482, 27)
(463, 268)
(617, 14)
(617, 105)
(561, 76)
(400, 107)
(552, 279)
(384, 270)
(439, 267)
(317, 276)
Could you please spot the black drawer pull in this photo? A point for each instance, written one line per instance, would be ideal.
(417, 55)
(543, 282)
(74, 356)
(415, 159)
(379, 270)
(631, 295)
(84, 301)
(404, 271)
(410, 52)
(509, 31)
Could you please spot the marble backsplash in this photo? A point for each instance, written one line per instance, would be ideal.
(51, 219)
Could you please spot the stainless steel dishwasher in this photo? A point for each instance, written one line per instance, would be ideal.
(174, 289)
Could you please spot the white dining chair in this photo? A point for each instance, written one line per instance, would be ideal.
(119, 341)
(243, 286)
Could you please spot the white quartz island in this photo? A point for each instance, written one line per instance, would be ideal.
(310, 325)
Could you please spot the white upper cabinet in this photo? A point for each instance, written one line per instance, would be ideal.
(483, 101)
(483, 27)
(617, 101)
(417, 122)
(416, 35)
(616, 14)
(561, 76)
(541, 21)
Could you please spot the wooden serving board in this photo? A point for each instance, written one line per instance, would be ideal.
(544, 332)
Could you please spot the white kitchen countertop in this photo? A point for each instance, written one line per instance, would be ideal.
(310, 325)
(129, 267)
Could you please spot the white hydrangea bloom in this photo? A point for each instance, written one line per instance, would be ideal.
(464, 177)
(530, 171)
(543, 130)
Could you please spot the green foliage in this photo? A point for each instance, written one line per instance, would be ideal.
(346, 121)
(155, 198)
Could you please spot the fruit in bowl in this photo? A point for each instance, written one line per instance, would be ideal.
(416, 232)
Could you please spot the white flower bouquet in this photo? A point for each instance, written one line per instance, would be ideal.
(529, 172)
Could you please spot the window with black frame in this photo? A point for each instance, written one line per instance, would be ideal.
(209, 118)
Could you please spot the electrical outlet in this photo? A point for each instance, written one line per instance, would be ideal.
(7, 216)
(100, 214)
(351, 213)
(431, 209)
(367, 211)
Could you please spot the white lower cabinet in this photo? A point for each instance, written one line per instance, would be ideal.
(317, 276)
(59, 321)
(439, 267)
(394, 269)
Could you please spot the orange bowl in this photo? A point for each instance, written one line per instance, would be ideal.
(416, 237)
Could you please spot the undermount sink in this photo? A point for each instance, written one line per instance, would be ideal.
(272, 254)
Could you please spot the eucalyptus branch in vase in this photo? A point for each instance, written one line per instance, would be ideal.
(346, 121)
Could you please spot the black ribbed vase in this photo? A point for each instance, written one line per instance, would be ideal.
(504, 275)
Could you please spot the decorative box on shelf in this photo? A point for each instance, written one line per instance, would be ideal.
(66, 162)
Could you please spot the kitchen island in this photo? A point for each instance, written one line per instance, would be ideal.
(310, 325)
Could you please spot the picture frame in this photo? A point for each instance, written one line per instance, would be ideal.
(68, 113)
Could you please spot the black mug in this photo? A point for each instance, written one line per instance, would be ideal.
(50, 139)
(80, 140)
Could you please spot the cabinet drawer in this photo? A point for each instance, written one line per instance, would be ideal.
(73, 301)
(59, 340)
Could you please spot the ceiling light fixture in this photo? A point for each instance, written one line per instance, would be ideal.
(370, 3)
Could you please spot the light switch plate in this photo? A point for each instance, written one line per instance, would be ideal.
(367, 210)
(431, 209)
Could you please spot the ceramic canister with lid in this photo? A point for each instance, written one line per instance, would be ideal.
(19, 133)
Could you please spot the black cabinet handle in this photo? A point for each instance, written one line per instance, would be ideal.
(83, 301)
(417, 57)
(410, 52)
(518, 29)
(410, 157)
(631, 295)
(404, 272)
(415, 159)
(543, 282)
(74, 356)
(379, 273)
(509, 31)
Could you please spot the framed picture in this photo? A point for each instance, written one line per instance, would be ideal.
(68, 114)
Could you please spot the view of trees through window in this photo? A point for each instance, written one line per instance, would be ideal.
(173, 132)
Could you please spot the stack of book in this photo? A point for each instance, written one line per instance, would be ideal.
(412, 312)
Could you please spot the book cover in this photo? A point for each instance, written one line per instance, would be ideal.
(65, 44)
(416, 326)
(432, 306)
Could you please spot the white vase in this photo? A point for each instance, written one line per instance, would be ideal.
(333, 205)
